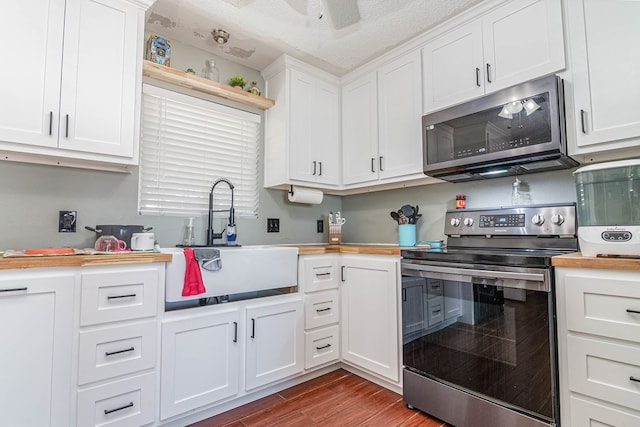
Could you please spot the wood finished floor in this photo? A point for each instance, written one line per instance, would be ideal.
(339, 399)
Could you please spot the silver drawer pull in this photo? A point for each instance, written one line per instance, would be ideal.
(629, 310)
(121, 296)
(322, 347)
(632, 378)
(111, 353)
(14, 290)
(109, 411)
(322, 309)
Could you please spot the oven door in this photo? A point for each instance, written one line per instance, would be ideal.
(495, 338)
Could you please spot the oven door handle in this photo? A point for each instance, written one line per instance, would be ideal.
(510, 279)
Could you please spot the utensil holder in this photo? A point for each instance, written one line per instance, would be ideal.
(406, 234)
(335, 234)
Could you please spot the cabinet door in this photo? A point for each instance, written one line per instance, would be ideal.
(369, 316)
(302, 164)
(102, 46)
(326, 141)
(453, 67)
(360, 130)
(275, 342)
(400, 118)
(606, 63)
(30, 76)
(36, 313)
(200, 361)
(522, 40)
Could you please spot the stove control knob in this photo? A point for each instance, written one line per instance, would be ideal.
(537, 220)
(455, 222)
(468, 222)
(557, 219)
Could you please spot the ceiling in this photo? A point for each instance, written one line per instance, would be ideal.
(334, 35)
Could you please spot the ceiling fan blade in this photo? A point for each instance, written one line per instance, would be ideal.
(343, 12)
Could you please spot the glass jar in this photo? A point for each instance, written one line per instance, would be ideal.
(210, 70)
(254, 88)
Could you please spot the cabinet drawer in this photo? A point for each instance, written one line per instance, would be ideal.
(116, 351)
(585, 413)
(321, 346)
(604, 370)
(598, 304)
(321, 309)
(434, 288)
(435, 311)
(319, 272)
(112, 295)
(126, 403)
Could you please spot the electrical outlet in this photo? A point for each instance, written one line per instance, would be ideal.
(320, 226)
(273, 225)
(67, 221)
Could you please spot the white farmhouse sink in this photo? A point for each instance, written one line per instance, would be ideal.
(241, 269)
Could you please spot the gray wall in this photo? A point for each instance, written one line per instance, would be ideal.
(369, 221)
(31, 196)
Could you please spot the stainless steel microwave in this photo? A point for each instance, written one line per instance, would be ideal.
(514, 131)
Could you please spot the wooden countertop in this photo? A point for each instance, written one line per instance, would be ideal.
(576, 260)
(351, 249)
(82, 260)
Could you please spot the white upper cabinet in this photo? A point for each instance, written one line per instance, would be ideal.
(75, 99)
(381, 121)
(515, 43)
(605, 60)
(302, 142)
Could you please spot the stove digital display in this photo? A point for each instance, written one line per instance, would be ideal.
(507, 220)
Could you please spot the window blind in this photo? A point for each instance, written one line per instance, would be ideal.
(186, 145)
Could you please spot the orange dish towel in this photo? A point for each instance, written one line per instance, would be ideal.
(192, 277)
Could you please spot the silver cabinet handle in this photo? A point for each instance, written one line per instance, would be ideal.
(488, 73)
(6, 291)
(109, 411)
(121, 296)
(126, 350)
(582, 121)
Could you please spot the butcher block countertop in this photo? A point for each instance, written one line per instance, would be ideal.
(576, 260)
(82, 260)
(364, 249)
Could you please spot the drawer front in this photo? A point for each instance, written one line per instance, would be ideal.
(434, 288)
(602, 305)
(126, 403)
(321, 309)
(319, 272)
(113, 295)
(603, 370)
(321, 346)
(116, 351)
(585, 413)
(435, 310)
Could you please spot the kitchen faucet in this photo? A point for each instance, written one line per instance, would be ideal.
(232, 221)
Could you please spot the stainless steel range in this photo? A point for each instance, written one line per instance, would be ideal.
(479, 331)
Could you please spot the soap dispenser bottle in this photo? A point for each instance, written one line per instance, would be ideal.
(188, 233)
(231, 228)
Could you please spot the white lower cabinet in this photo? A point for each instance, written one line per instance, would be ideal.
(36, 315)
(124, 403)
(322, 346)
(369, 313)
(274, 343)
(200, 361)
(599, 346)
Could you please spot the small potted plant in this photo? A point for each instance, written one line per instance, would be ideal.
(237, 81)
(191, 71)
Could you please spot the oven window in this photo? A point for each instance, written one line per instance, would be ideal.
(489, 340)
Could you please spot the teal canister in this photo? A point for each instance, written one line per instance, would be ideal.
(406, 234)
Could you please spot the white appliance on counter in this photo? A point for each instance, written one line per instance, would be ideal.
(234, 270)
(609, 208)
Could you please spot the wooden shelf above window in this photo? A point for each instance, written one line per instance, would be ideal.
(200, 84)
